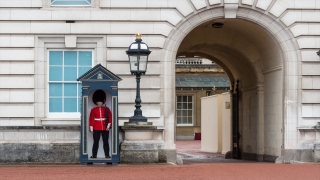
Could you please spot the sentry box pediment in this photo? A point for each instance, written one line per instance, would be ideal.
(96, 82)
(99, 73)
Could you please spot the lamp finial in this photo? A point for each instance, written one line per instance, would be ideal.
(138, 36)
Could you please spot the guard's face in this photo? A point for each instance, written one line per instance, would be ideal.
(99, 104)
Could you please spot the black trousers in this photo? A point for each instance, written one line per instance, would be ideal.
(96, 139)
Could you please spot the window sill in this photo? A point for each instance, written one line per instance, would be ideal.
(75, 6)
(308, 128)
(187, 125)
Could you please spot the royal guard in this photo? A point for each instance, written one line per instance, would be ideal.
(100, 123)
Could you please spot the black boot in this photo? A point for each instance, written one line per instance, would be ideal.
(107, 156)
(93, 156)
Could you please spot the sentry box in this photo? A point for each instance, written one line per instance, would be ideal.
(99, 83)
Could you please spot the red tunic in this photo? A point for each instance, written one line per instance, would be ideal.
(98, 118)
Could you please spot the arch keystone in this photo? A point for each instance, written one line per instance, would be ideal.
(230, 10)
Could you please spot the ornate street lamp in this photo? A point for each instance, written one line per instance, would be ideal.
(138, 53)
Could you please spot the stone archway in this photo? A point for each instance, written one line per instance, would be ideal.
(276, 61)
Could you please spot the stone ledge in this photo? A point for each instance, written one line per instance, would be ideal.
(70, 127)
(61, 141)
(60, 121)
(140, 126)
(142, 145)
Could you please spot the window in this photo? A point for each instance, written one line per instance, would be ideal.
(184, 110)
(71, 2)
(64, 89)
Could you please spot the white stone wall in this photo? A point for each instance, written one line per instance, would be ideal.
(28, 28)
(273, 113)
(17, 80)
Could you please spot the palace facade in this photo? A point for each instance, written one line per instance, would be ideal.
(268, 45)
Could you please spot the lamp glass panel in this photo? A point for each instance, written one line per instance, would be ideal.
(143, 63)
(134, 46)
(143, 46)
(133, 63)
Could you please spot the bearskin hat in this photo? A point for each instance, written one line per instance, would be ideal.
(99, 96)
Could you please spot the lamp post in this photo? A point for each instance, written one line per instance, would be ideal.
(138, 53)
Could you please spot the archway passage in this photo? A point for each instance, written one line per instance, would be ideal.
(249, 53)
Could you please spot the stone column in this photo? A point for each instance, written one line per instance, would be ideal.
(260, 122)
(168, 99)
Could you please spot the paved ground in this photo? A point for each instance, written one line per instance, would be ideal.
(198, 166)
(239, 171)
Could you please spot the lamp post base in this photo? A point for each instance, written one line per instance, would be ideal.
(138, 119)
(144, 143)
